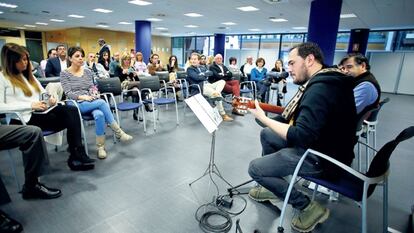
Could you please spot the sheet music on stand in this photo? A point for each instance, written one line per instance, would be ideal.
(209, 116)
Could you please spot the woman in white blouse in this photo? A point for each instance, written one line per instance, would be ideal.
(20, 92)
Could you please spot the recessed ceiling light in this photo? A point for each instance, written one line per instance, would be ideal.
(102, 10)
(154, 19)
(191, 33)
(102, 26)
(20, 27)
(57, 20)
(248, 8)
(125, 23)
(76, 16)
(344, 16)
(29, 26)
(140, 3)
(191, 26)
(193, 15)
(229, 23)
(7, 5)
(299, 28)
(40, 23)
(161, 28)
(278, 20)
(254, 30)
(166, 34)
(1, 12)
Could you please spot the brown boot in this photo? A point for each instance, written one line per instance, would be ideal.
(119, 133)
(100, 147)
(226, 117)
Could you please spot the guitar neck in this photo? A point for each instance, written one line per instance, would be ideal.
(268, 107)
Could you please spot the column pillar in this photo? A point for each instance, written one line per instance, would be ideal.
(143, 38)
(323, 26)
(358, 40)
(219, 42)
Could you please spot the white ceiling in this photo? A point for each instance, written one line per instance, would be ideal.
(373, 14)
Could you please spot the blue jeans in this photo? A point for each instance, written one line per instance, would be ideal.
(100, 111)
(279, 161)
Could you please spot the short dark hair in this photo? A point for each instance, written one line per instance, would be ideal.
(358, 58)
(307, 48)
(231, 59)
(50, 52)
(61, 45)
(260, 59)
(73, 50)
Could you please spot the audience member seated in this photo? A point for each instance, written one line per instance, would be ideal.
(172, 68)
(310, 121)
(233, 65)
(367, 91)
(155, 64)
(105, 60)
(114, 63)
(20, 93)
(246, 68)
(55, 65)
(197, 75)
(50, 54)
(29, 139)
(103, 48)
(129, 79)
(258, 75)
(280, 80)
(97, 69)
(220, 72)
(140, 66)
(77, 82)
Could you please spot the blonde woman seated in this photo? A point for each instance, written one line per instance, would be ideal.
(20, 92)
(78, 85)
(140, 66)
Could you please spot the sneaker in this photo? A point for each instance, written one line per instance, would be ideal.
(226, 118)
(307, 219)
(261, 194)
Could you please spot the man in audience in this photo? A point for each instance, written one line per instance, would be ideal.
(246, 69)
(29, 139)
(310, 120)
(221, 72)
(57, 64)
(97, 69)
(114, 63)
(50, 54)
(367, 91)
(104, 48)
(197, 75)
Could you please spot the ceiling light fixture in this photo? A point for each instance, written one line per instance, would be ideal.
(161, 28)
(247, 8)
(154, 19)
(20, 27)
(278, 20)
(140, 2)
(57, 20)
(29, 26)
(125, 23)
(76, 16)
(2, 4)
(191, 26)
(102, 10)
(345, 16)
(102, 26)
(229, 23)
(40, 23)
(254, 30)
(193, 15)
(299, 28)
(1, 12)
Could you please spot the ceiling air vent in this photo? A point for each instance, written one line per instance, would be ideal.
(274, 1)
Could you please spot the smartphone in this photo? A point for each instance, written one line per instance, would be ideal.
(44, 97)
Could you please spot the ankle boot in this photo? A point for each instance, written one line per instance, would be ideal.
(100, 147)
(79, 153)
(119, 133)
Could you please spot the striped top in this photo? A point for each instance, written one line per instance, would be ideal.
(74, 86)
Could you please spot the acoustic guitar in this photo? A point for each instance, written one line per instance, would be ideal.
(243, 103)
